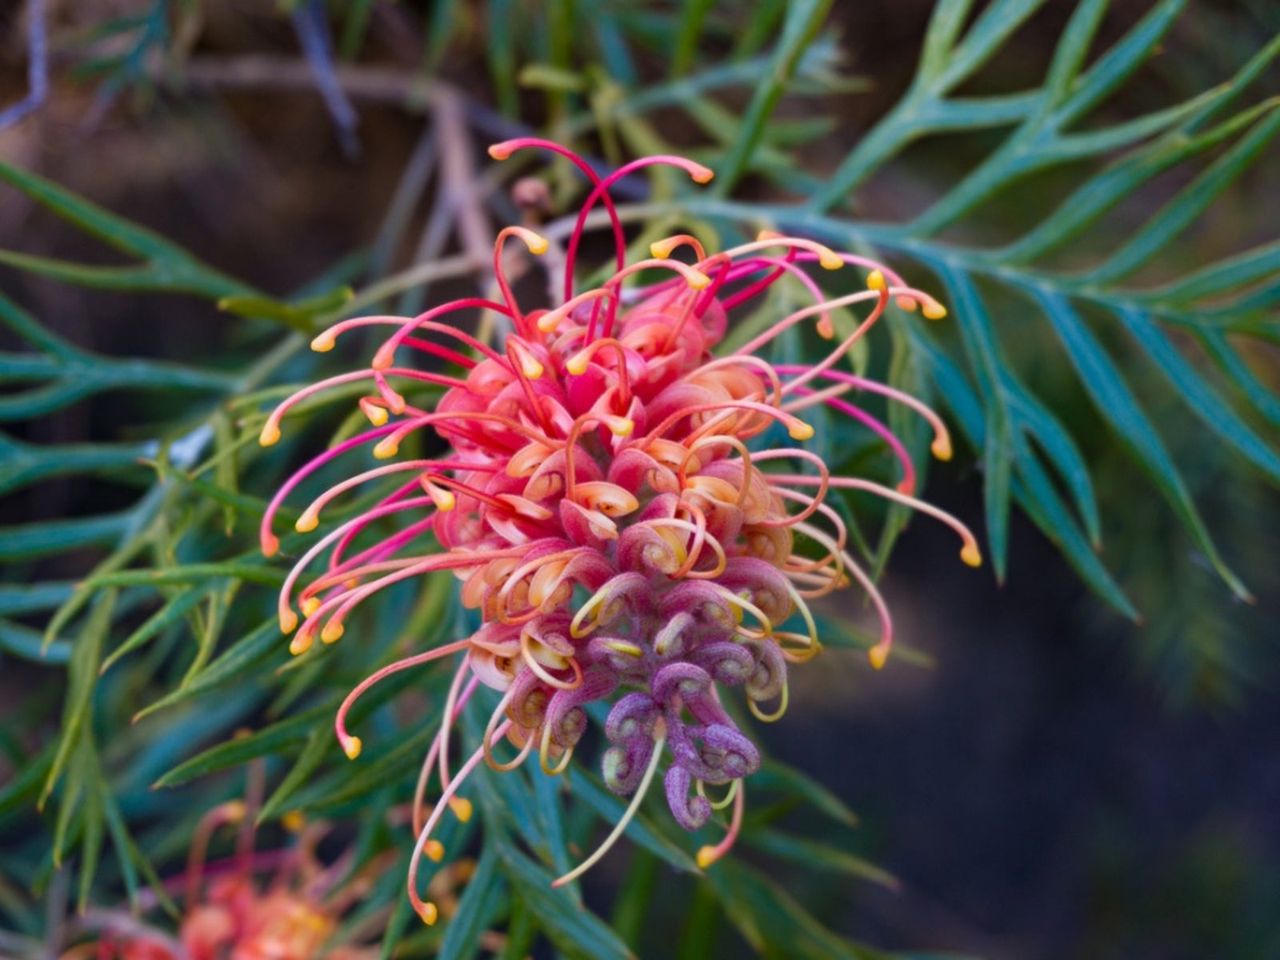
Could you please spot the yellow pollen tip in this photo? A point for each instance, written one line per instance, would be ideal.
(310, 606)
(577, 365)
(300, 644)
(270, 545)
(428, 914)
(332, 632)
(499, 151)
(548, 322)
(386, 449)
(307, 522)
(293, 821)
(661, 249)
(875, 280)
(706, 856)
(878, 655)
(829, 259)
(622, 426)
(352, 747)
(444, 501)
(288, 621)
(377, 415)
(799, 430)
(433, 850)
(698, 280)
(702, 174)
(536, 243)
(323, 342)
(531, 368)
(461, 808)
(933, 310)
(270, 434)
(971, 555)
(906, 303)
(941, 448)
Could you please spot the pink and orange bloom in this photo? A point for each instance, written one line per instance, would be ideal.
(272, 905)
(614, 501)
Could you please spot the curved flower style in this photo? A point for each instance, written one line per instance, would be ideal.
(609, 494)
(229, 914)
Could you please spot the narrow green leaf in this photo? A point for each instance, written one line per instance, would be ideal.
(1199, 397)
(585, 786)
(575, 932)
(1117, 404)
(804, 20)
(82, 676)
(232, 665)
(776, 775)
(1183, 210)
(232, 753)
(319, 743)
(809, 853)
(173, 611)
(477, 909)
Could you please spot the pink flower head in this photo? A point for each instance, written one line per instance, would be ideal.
(608, 494)
(276, 905)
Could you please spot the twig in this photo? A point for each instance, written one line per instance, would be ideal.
(312, 27)
(37, 67)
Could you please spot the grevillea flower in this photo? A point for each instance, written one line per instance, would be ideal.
(273, 905)
(608, 493)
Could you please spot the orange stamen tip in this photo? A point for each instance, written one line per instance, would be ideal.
(377, 415)
(698, 280)
(706, 856)
(270, 434)
(300, 644)
(875, 280)
(701, 174)
(307, 522)
(332, 632)
(270, 545)
(323, 343)
(352, 746)
(829, 259)
(906, 303)
(933, 310)
(310, 606)
(386, 449)
(826, 330)
(444, 500)
(878, 655)
(461, 808)
(288, 621)
(799, 430)
(428, 914)
(767, 235)
(383, 358)
(971, 555)
(433, 851)
(500, 151)
(941, 448)
(293, 821)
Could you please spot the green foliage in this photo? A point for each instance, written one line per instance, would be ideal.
(168, 663)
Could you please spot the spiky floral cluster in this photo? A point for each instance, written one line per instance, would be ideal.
(230, 913)
(609, 494)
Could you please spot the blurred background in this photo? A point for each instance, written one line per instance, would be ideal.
(1044, 776)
